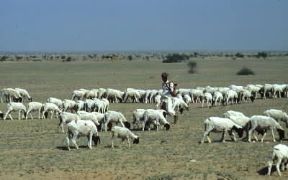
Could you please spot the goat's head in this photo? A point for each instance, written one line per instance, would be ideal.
(46, 114)
(167, 126)
(127, 125)
(96, 139)
(136, 140)
(253, 96)
(281, 133)
(239, 131)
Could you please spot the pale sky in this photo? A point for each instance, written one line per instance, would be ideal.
(143, 25)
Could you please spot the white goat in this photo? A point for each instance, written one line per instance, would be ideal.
(11, 95)
(82, 128)
(66, 117)
(217, 98)
(132, 94)
(207, 97)
(79, 94)
(278, 115)
(56, 101)
(24, 94)
(93, 93)
(280, 153)
(70, 105)
(93, 116)
(266, 90)
(231, 97)
(15, 106)
(138, 116)
(265, 123)
(224, 125)
(111, 117)
(179, 104)
(156, 116)
(237, 117)
(246, 94)
(34, 106)
(114, 95)
(50, 107)
(125, 134)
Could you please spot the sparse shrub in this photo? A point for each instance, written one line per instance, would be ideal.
(68, 59)
(262, 54)
(130, 58)
(4, 58)
(192, 67)
(174, 58)
(239, 55)
(245, 71)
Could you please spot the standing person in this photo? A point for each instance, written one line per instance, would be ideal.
(169, 91)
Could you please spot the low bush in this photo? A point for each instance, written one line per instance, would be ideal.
(192, 67)
(245, 71)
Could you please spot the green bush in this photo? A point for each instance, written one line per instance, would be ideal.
(174, 58)
(245, 71)
(192, 67)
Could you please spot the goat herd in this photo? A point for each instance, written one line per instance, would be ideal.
(87, 113)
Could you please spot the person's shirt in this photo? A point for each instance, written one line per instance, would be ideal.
(167, 88)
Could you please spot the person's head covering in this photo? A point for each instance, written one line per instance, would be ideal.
(164, 75)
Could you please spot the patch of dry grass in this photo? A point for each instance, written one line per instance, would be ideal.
(34, 149)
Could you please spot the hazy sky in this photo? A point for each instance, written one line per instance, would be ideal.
(124, 25)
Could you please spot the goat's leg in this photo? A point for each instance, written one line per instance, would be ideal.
(68, 143)
(90, 140)
(278, 166)
(74, 141)
(19, 115)
(52, 113)
(273, 136)
(250, 134)
(6, 114)
(270, 164)
(39, 114)
(206, 135)
(223, 136)
(128, 140)
(264, 135)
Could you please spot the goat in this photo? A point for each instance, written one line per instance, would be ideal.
(115, 117)
(82, 128)
(34, 106)
(224, 125)
(264, 122)
(125, 134)
(15, 106)
(280, 153)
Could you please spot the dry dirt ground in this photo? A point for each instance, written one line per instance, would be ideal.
(35, 149)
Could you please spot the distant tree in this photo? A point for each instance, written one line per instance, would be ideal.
(4, 58)
(130, 57)
(262, 55)
(18, 57)
(172, 58)
(239, 55)
(245, 71)
(192, 67)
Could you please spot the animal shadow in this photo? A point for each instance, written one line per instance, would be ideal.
(263, 171)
